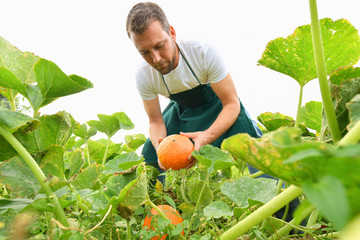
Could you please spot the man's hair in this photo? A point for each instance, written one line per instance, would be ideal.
(142, 14)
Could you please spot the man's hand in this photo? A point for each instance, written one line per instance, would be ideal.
(199, 138)
(159, 163)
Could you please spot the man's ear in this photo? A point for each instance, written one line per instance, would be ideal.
(172, 33)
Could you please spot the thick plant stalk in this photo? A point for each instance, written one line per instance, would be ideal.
(352, 137)
(34, 167)
(263, 212)
(321, 72)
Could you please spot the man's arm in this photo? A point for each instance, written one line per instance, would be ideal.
(157, 129)
(226, 91)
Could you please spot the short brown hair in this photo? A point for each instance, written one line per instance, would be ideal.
(142, 14)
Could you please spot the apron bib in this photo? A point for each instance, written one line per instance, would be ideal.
(195, 110)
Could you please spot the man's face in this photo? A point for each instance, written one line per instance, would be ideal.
(157, 47)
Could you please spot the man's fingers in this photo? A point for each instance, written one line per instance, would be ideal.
(192, 161)
(161, 166)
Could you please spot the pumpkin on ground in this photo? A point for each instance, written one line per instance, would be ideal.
(174, 151)
(173, 215)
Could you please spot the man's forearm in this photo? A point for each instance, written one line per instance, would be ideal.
(157, 131)
(223, 122)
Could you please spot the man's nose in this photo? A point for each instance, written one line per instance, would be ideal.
(155, 56)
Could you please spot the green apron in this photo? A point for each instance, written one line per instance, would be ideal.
(195, 110)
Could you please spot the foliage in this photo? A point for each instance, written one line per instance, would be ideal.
(58, 182)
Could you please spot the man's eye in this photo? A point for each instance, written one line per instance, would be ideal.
(159, 47)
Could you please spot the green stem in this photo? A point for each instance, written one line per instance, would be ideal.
(313, 218)
(197, 204)
(12, 104)
(106, 150)
(171, 226)
(279, 185)
(321, 72)
(257, 174)
(128, 229)
(87, 151)
(295, 222)
(261, 213)
(298, 114)
(352, 137)
(182, 189)
(34, 167)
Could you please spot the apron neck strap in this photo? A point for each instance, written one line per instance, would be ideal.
(187, 63)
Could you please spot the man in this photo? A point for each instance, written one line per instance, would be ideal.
(204, 104)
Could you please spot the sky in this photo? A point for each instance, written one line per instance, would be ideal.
(88, 38)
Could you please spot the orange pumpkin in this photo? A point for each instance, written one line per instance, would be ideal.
(173, 215)
(174, 151)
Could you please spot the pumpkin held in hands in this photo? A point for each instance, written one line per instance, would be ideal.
(174, 151)
(173, 215)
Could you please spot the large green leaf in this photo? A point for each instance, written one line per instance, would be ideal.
(16, 175)
(122, 162)
(16, 70)
(294, 56)
(311, 115)
(116, 183)
(194, 190)
(10, 81)
(19, 63)
(97, 149)
(54, 129)
(83, 132)
(54, 83)
(110, 124)
(329, 196)
(88, 178)
(213, 158)
(284, 155)
(14, 120)
(269, 153)
(354, 111)
(16, 204)
(273, 121)
(52, 163)
(6, 150)
(217, 209)
(343, 90)
(132, 196)
(133, 142)
(243, 189)
(76, 162)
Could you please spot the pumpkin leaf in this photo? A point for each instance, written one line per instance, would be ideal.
(16, 175)
(321, 194)
(213, 158)
(54, 129)
(122, 162)
(54, 83)
(218, 209)
(311, 115)
(243, 189)
(294, 55)
(110, 124)
(354, 114)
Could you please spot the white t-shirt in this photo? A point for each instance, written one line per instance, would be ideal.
(202, 58)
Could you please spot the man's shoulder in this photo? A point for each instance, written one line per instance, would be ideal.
(193, 46)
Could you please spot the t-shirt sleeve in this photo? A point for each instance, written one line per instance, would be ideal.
(217, 70)
(143, 85)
